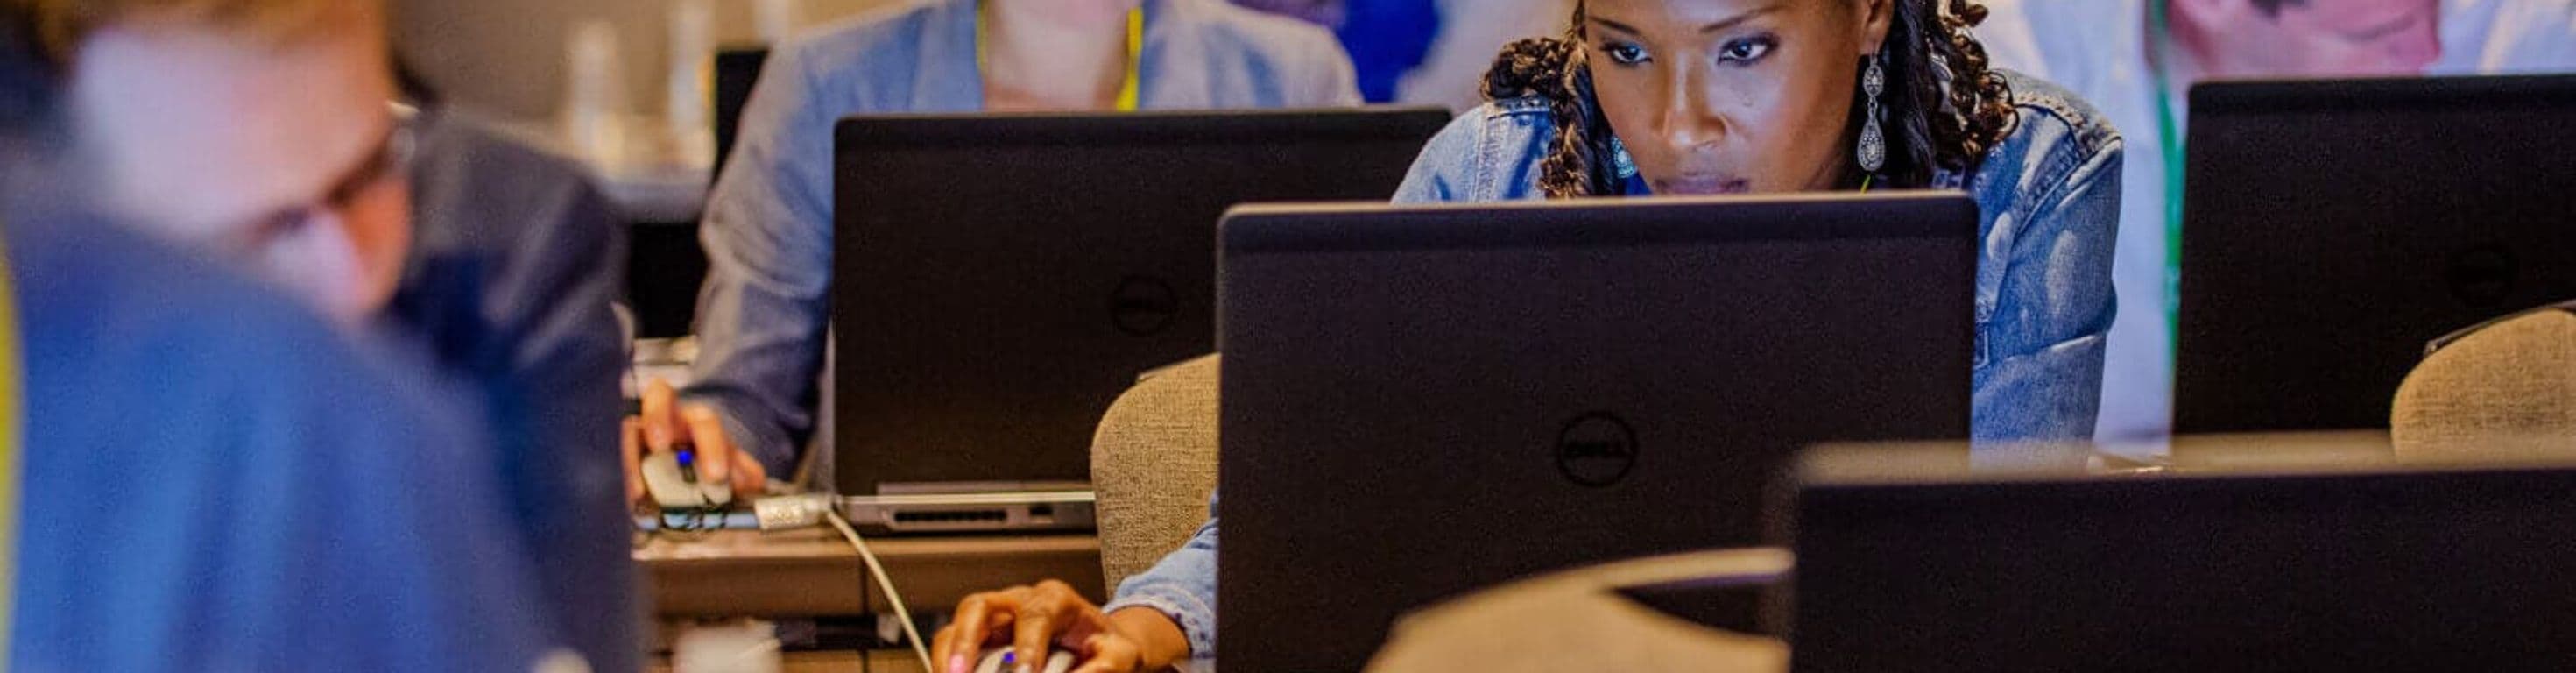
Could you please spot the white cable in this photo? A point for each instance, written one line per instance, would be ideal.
(919, 647)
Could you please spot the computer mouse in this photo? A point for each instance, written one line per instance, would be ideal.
(1002, 660)
(672, 478)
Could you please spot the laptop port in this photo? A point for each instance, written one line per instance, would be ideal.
(952, 517)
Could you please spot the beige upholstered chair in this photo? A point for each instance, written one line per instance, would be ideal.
(1577, 621)
(1153, 464)
(2505, 387)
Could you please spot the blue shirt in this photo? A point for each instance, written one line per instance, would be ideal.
(514, 262)
(2049, 197)
(768, 229)
(216, 480)
(1385, 38)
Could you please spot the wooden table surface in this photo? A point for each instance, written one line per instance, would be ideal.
(813, 572)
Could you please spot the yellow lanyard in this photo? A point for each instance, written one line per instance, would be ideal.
(1135, 50)
(12, 367)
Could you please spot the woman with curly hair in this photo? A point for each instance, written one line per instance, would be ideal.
(1743, 96)
(1730, 96)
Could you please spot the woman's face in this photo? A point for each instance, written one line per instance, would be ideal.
(1733, 96)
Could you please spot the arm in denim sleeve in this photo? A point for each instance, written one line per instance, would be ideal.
(1183, 587)
(768, 237)
(2053, 311)
(1446, 171)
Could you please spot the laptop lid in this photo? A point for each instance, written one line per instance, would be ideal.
(1422, 401)
(2333, 228)
(737, 73)
(2334, 563)
(1000, 279)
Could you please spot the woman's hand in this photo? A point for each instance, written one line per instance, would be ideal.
(1034, 619)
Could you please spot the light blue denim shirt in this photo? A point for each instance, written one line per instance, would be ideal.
(2050, 199)
(768, 227)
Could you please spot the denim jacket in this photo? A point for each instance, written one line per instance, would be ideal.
(2050, 202)
(768, 227)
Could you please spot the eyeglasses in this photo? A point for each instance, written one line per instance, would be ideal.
(392, 159)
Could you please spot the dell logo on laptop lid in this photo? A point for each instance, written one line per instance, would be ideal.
(1596, 449)
(1143, 305)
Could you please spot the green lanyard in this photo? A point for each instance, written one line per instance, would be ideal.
(2169, 132)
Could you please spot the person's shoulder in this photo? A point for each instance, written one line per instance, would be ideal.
(881, 25)
(2053, 137)
(1270, 38)
(467, 169)
(1488, 153)
(867, 41)
(1518, 123)
(2044, 109)
(84, 277)
(500, 227)
(110, 316)
(153, 366)
(2058, 145)
(452, 140)
(124, 320)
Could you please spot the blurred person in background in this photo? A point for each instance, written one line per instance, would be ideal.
(225, 481)
(263, 134)
(1385, 38)
(1471, 32)
(1424, 52)
(2137, 59)
(768, 227)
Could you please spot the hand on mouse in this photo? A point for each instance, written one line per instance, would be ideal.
(665, 423)
(1051, 614)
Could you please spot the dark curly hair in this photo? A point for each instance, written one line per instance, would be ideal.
(1945, 107)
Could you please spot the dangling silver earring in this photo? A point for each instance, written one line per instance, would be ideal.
(1625, 165)
(1873, 141)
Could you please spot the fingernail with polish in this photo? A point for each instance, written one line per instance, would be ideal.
(959, 663)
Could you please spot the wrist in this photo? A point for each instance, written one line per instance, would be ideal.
(1159, 640)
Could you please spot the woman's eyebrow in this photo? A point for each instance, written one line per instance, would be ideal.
(1729, 22)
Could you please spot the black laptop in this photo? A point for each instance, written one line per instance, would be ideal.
(1906, 563)
(998, 280)
(2333, 228)
(737, 73)
(1422, 401)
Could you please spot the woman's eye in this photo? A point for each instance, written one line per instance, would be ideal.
(1624, 54)
(1744, 51)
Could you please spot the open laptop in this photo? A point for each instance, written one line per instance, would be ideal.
(1422, 401)
(737, 73)
(2339, 563)
(2333, 228)
(1000, 279)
